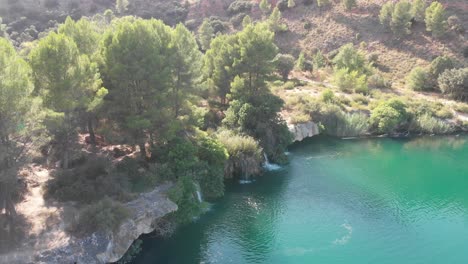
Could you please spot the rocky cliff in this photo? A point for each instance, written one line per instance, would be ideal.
(303, 130)
(105, 248)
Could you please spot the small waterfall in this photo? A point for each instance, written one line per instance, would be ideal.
(270, 166)
(198, 193)
(199, 197)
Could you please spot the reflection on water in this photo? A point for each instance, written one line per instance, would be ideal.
(338, 201)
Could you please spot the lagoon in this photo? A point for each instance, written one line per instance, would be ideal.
(338, 201)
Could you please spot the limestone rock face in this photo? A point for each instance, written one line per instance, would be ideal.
(104, 248)
(303, 130)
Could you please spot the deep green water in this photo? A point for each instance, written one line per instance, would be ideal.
(338, 201)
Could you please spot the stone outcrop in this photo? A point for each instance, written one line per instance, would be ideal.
(303, 130)
(110, 247)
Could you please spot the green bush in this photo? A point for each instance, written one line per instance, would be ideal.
(444, 113)
(106, 215)
(349, 4)
(327, 96)
(338, 123)
(388, 115)
(439, 65)
(454, 83)
(184, 195)
(418, 80)
(351, 59)
(284, 65)
(436, 19)
(239, 6)
(401, 18)
(214, 155)
(377, 81)
(361, 99)
(89, 183)
(350, 81)
(429, 124)
(238, 145)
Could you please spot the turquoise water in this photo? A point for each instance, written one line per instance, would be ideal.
(338, 201)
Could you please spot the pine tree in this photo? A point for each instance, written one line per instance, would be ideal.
(138, 62)
(205, 34)
(386, 12)
(300, 62)
(83, 33)
(187, 65)
(349, 4)
(246, 21)
(291, 3)
(265, 6)
(275, 21)
(401, 19)
(436, 21)
(121, 6)
(15, 101)
(418, 10)
(69, 84)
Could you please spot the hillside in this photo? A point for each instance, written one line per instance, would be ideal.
(114, 124)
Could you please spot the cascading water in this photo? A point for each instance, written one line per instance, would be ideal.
(198, 193)
(270, 166)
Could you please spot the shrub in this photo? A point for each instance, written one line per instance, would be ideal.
(337, 123)
(238, 145)
(307, 25)
(461, 107)
(239, 6)
(89, 183)
(373, 58)
(429, 124)
(388, 115)
(444, 113)
(361, 99)
(454, 83)
(418, 80)
(184, 195)
(350, 81)
(285, 64)
(289, 85)
(350, 58)
(435, 19)
(319, 60)
(214, 155)
(106, 215)
(465, 52)
(439, 65)
(299, 118)
(349, 4)
(455, 24)
(327, 96)
(377, 81)
(282, 5)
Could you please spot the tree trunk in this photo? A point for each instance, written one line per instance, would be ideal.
(92, 136)
(142, 150)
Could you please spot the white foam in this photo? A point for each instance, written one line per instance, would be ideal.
(344, 239)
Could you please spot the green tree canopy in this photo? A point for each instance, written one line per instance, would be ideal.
(436, 21)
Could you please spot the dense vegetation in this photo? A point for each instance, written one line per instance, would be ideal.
(161, 93)
(195, 108)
